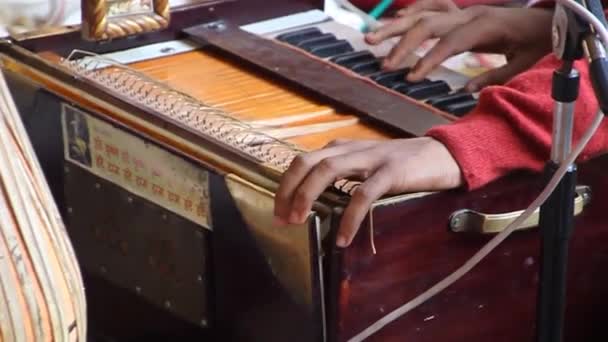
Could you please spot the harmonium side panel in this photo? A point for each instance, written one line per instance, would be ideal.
(139, 215)
(249, 280)
(416, 248)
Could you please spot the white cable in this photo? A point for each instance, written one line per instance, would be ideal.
(532, 3)
(498, 239)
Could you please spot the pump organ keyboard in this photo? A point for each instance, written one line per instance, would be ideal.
(341, 52)
(344, 46)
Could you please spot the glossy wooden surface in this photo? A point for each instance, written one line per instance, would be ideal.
(259, 101)
(496, 301)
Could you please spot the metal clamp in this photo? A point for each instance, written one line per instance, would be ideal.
(470, 221)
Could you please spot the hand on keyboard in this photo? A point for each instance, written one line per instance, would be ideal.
(522, 34)
(388, 167)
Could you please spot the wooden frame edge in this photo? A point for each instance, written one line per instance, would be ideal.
(98, 26)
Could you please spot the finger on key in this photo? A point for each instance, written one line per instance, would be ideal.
(326, 173)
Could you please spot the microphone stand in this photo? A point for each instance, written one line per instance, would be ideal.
(571, 36)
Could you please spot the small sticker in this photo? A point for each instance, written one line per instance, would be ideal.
(140, 167)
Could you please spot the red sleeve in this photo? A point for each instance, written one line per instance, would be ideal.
(511, 127)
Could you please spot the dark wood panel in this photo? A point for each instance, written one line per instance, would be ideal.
(238, 11)
(139, 246)
(497, 300)
(116, 315)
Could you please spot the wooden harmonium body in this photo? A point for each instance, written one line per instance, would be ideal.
(164, 152)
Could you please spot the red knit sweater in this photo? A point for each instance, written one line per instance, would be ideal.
(511, 127)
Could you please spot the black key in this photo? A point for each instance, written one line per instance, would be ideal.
(297, 36)
(460, 108)
(331, 49)
(350, 59)
(389, 78)
(310, 43)
(425, 90)
(442, 101)
(402, 86)
(368, 67)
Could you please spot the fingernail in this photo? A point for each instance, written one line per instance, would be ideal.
(297, 217)
(411, 76)
(472, 88)
(293, 217)
(301, 218)
(341, 241)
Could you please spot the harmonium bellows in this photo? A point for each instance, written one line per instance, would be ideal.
(164, 146)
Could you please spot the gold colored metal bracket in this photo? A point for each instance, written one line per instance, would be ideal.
(287, 249)
(470, 221)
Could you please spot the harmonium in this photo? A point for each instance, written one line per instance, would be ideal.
(163, 133)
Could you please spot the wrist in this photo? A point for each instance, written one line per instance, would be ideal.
(451, 173)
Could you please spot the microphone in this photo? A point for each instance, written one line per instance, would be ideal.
(573, 37)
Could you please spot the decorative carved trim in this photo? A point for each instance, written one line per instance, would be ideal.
(98, 25)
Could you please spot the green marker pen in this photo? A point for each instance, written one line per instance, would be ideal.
(378, 11)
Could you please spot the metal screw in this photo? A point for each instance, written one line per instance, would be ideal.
(138, 289)
(97, 186)
(167, 304)
(66, 169)
(204, 323)
(130, 199)
(199, 278)
(103, 269)
(167, 50)
(70, 210)
(217, 26)
(165, 217)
